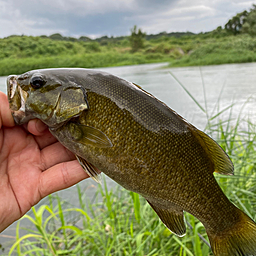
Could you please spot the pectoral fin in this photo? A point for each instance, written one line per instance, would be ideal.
(88, 135)
(173, 218)
(222, 163)
(90, 169)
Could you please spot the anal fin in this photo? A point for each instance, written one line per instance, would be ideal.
(172, 218)
(90, 169)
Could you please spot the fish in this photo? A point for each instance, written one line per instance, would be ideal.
(115, 127)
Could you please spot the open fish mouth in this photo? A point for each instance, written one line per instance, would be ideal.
(17, 98)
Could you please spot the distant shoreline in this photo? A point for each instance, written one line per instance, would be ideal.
(22, 53)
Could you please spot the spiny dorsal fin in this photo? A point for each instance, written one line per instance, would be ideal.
(90, 169)
(172, 218)
(221, 161)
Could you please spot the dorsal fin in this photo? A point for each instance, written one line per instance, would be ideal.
(220, 160)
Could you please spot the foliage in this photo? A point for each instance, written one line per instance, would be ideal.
(22, 53)
(249, 26)
(136, 39)
(227, 49)
(235, 24)
(166, 35)
(86, 60)
(243, 22)
(119, 223)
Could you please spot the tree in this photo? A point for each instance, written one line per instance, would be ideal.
(235, 24)
(85, 38)
(249, 26)
(137, 39)
(56, 36)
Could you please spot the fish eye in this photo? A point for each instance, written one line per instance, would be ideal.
(37, 82)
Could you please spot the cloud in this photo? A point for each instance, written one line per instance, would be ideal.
(76, 7)
(195, 16)
(114, 17)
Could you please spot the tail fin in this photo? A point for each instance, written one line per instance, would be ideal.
(239, 240)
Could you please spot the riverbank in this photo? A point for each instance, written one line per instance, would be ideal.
(22, 53)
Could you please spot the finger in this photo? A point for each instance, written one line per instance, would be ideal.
(55, 154)
(6, 118)
(37, 127)
(60, 176)
(45, 140)
(43, 136)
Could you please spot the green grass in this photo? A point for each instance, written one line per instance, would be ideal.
(119, 222)
(86, 60)
(230, 49)
(122, 224)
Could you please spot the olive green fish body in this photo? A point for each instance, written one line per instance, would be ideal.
(114, 126)
(155, 164)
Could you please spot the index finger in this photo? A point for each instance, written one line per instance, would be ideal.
(6, 118)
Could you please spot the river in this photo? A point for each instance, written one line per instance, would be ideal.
(219, 86)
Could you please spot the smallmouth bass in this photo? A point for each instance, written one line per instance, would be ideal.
(116, 127)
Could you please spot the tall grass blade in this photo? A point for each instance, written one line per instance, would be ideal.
(204, 91)
(217, 104)
(136, 205)
(186, 90)
(183, 246)
(221, 112)
(23, 238)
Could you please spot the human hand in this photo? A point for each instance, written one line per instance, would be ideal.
(33, 164)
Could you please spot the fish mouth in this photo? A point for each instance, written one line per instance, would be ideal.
(12, 85)
(17, 99)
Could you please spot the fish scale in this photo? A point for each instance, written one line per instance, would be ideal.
(116, 127)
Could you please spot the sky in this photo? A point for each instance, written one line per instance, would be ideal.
(96, 18)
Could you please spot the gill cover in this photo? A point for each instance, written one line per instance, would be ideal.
(58, 105)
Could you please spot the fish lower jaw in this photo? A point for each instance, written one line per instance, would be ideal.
(20, 117)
